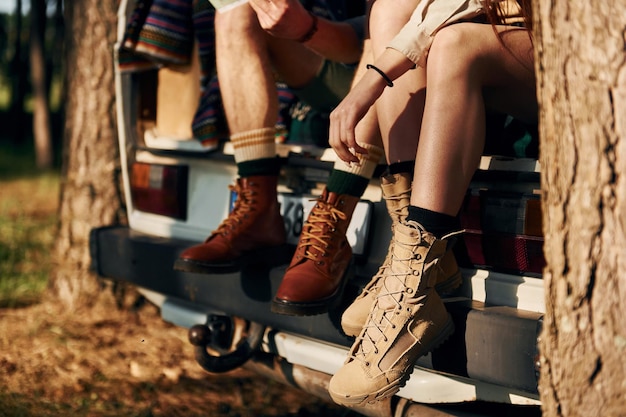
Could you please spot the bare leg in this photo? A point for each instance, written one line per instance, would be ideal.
(468, 67)
(368, 130)
(400, 108)
(246, 60)
(244, 71)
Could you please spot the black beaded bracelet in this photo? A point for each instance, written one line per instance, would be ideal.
(382, 74)
(307, 36)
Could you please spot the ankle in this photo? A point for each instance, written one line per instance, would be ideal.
(439, 224)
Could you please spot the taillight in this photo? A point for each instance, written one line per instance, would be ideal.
(160, 189)
(503, 232)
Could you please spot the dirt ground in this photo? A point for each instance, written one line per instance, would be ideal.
(111, 362)
(114, 362)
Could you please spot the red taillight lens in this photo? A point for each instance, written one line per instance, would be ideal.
(160, 189)
(503, 231)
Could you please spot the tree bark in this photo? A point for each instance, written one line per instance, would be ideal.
(18, 77)
(90, 191)
(581, 69)
(41, 111)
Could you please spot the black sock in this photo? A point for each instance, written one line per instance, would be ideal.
(438, 224)
(265, 166)
(401, 167)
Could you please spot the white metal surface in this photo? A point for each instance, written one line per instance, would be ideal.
(424, 386)
(494, 288)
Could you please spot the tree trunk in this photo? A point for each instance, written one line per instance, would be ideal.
(38, 78)
(90, 192)
(18, 79)
(581, 70)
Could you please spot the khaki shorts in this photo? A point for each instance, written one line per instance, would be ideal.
(328, 88)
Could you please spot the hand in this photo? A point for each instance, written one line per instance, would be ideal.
(346, 116)
(287, 19)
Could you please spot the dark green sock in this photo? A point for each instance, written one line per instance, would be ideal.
(342, 182)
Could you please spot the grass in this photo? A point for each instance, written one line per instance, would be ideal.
(28, 221)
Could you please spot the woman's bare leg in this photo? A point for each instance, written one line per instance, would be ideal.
(468, 68)
(399, 108)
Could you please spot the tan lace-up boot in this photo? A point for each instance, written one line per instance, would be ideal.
(408, 320)
(396, 190)
(316, 276)
(254, 223)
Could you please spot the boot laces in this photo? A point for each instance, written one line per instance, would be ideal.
(317, 233)
(377, 280)
(393, 297)
(241, 209)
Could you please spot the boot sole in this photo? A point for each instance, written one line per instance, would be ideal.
(393, 387)
(293, 308)
(269, 257)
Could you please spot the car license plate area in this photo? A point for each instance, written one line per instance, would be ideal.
(296, 208)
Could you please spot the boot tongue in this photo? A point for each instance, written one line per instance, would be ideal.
(329, 197)
(396, 190)
(317, 229)
(407, 236)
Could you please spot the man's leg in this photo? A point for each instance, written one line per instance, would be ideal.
(250, 100)
(315, 278)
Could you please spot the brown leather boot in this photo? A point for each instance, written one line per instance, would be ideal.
(316, 276)
(396, 190)
(254, 224)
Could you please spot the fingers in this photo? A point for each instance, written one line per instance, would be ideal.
(342, 136)
(260, 5)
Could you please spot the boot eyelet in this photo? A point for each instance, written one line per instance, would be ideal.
(409, 290)
(367, 363)
(320, 263)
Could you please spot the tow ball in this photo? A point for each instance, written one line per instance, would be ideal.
(225, 342)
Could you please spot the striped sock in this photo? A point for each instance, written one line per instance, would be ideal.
(353, 180)
(255, 152)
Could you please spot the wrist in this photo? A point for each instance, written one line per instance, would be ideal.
(381, 73)
(311, 32)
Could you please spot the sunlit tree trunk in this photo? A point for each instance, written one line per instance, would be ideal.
(581, 65)
(90, 195)
(38, 78)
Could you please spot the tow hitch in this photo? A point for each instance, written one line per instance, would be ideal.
(225, 342)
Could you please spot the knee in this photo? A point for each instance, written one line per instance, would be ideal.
(454, 47)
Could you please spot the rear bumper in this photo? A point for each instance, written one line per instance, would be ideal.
(147, 261)
(494, 345)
